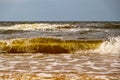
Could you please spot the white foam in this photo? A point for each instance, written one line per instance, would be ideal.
(55, 63)
(15, 62)
(112, 46)
(48, 67)
(33, 67)
(67, 56)
(102, 77)
(74, 60)
(98, 68)
(20, 70)
(36, 26)
(33, 62)
(44, 75)
(90, 63)
(84, 29)
(48, 27)
(115, 64)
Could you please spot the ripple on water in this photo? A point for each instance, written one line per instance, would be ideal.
(61, 63)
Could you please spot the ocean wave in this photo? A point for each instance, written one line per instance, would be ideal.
(47, 27)
(46, 45)
(40, 26)
(54, 45)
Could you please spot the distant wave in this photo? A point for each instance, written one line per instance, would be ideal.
(46, 26)
(40, 26)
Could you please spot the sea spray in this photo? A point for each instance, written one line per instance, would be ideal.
(110, 46)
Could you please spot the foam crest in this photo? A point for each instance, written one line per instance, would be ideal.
(36, 26)
(48, 27)
(111, 46)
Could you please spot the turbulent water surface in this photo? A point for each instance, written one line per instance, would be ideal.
(69, 64)
(78, 30)
(103, 62)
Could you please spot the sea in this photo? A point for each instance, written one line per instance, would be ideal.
(99, 63)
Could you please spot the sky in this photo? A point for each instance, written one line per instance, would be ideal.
(59, 10)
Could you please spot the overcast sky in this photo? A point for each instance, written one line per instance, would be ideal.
(59, 10)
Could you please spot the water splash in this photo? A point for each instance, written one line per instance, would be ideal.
(111, 46)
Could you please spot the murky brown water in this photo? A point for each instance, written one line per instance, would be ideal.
(50, 64)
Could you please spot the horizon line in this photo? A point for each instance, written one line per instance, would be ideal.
(57, 21)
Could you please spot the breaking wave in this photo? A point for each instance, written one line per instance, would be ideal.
(110, 46)
(40, 26)
(53, 45)
(46, 27)
(46, 45)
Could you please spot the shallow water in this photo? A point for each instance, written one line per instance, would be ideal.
(50, 64)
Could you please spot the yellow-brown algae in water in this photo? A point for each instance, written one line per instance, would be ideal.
(46, 45)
